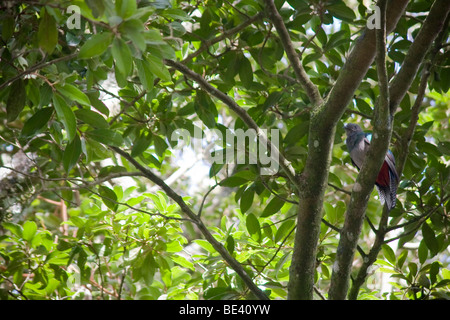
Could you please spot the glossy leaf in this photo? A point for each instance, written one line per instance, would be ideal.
(253, 226)
(65, 115)
(37, 122)
(247, 199)
(109, 197)
(71, 92)
(122, 56)
(72, 154)
(157, 67)
(106, 136)
(246, 72)
(29, 230)
(273, 207)
(16, 100)
(96, 45)
(430, 239)
(92, 118)
(48, 32)
(145, 74)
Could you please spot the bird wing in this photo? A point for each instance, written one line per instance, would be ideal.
(390, 160)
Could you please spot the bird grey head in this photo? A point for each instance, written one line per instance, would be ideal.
(351, 128)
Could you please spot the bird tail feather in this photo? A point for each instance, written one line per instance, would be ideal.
(388, 194)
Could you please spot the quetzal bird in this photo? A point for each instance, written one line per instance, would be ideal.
(358, 144)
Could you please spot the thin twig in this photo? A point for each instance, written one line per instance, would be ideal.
(204, 199)
(226, 34)
(36, 67)
(219, 247)
(242, 113)
(311, 89)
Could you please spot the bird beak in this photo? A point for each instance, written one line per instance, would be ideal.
(345, 125)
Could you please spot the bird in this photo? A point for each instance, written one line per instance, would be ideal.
(387, 180)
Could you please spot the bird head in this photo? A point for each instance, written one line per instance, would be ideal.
(352, 128)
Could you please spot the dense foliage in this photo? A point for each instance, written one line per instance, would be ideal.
(88, 101)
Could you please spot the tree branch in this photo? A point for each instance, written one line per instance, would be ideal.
(224, 35)
(37, 66)
(402, 154)
(278, 157)
(357, 64)
(233, 263)
(431, 28)
(365, 181)
(322, 128)
(311, 90)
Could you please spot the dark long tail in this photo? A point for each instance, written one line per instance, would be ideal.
(388, 194)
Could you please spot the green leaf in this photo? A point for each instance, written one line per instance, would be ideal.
(145, 74)
(15, 228)
(229, 244)
(389, 253)
(273, 207)
(284, 230)
(330, 212)
(51, 286)
(16, 100)
(430, 239)
(173, 246)
(219, 293)
(296, 133)
(342, 12)
(401, 259)
(8, 26)
(97, 7)
(205, 109)
(109, 197)
(205, 245)
(122, 56)
(98, 104)
(73, 93)
(182, 261)
(106, 136)
(233, 181)
(160, 145)
(422, 251)
(159, 202)
(47, 33)
(246, 72)
(412, 269)
(29, 230)
(96, 45)
(176, 14)
(253, 227)
(57, 258)
(444, 147)
(158, 68)
(92, 118)
(247, 199)
(267, 229)
(434, 270)
(36, 122)
(126, 8)
(311, 57)
(133, 29)
(141, 144)
(65, 115)
(72, 154)
(363, 106)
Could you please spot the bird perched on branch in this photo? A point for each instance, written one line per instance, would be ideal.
(358, 144)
